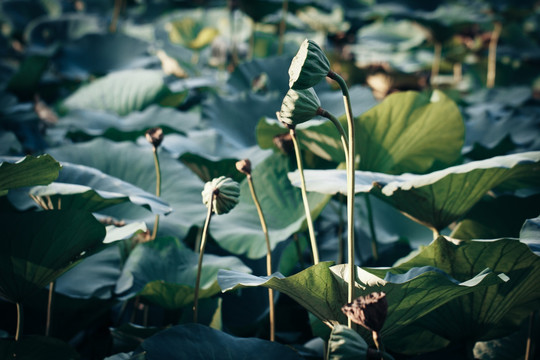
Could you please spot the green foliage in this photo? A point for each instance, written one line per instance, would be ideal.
(29, 171)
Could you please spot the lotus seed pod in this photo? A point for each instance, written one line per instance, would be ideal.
(309, 66)
(227, 192)
(244, 166)
(299, 106)
(368, 311)
(154, 136)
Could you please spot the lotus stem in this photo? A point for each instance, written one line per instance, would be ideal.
(20, 320)
(350, 183)
(282, 26)
(309, 221)
(116, 12)
(378, 342)
(339, 127)
(49, 308)
(268, 255)
(492, 55)
(529, 350)
(158, 189)
(201, 253)
(437, 51)
(374, 243)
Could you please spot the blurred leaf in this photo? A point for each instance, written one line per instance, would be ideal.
(239, 231)
(33, 256)
(164, 273)
(192, 32)
(31, 170)
(196, 342)
(493, 218)
(439, 198)
(207, 170)
(346, 344)
(25, 81)
(121, 92)
(391, 35)
(100, 54)
(37, 347)
(49, 31)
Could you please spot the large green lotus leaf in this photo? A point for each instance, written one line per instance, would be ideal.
(121, 92)
(441, 197)
(85, 188)
(164, 272)
(493, 311)
(410, 132)
(90, 123)
(207, 169)
(494, 218)
(37, 247)
(407, 132)
(322, 290)
(31, 170)
(345, 344)
(199, 342)
(239, 231)
(37, 347)
(181, 189)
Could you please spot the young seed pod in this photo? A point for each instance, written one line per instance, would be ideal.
(309, 66)
(368, 311)
(227, 193)
(299, 106)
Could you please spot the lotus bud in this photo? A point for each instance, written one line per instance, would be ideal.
(368, 311)
(244, 166)
(154, 136)
(226, 191)
(299, 106)
(309, 66)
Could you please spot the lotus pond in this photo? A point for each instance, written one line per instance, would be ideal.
(298, 179)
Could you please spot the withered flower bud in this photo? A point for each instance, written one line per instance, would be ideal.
(368, 311)
(244, 166)
(154, 136)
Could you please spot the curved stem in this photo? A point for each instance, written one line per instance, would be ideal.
(322, 112)
(350, 184)
(158, 190)
(49, 308)
(374, 244)
(20, 320)
(268, 255)
(304, 198)
(378, 342)
(201, 253)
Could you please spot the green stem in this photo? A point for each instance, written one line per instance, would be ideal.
(322, 112)
(311, 231)
(529, 350)
(374, 244)
(268, 255)
(49, 308)
(158, 189)
(20, 320)
(435, 66)
(201, 253)
(350, 184)
(282, 26)
(492, 55)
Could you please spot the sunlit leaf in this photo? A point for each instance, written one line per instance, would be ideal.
(31, 170)
(439, 198)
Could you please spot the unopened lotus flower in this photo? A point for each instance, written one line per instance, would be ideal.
(308, 67)
(154, 136)
(299, 106)
(368, 311)
(226, 191)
